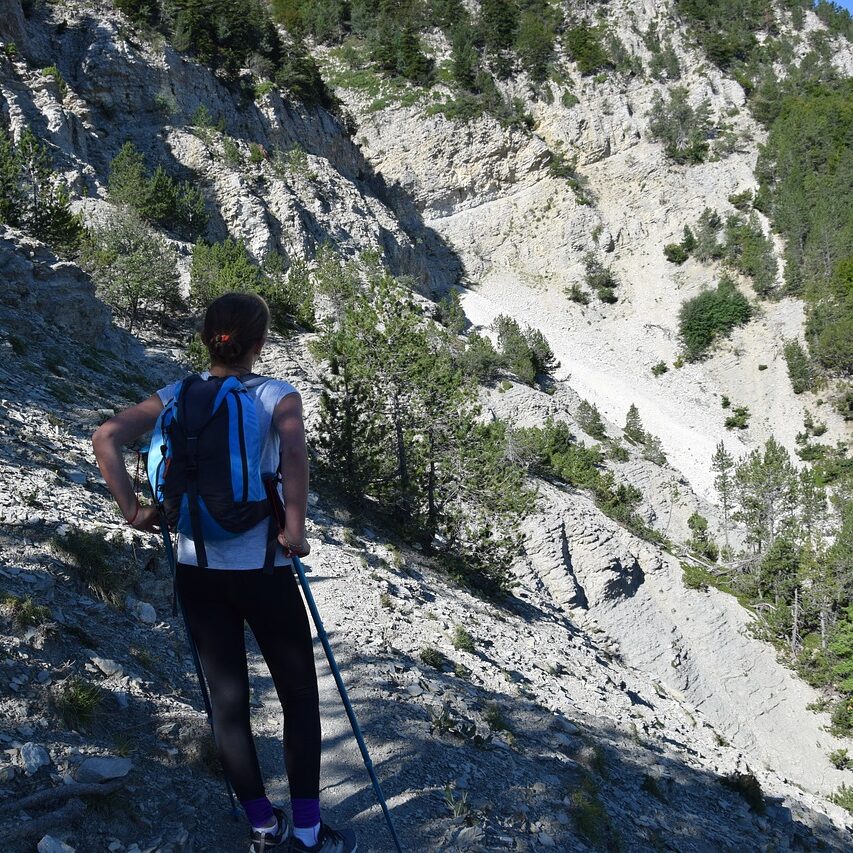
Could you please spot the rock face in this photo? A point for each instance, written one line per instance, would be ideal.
(522, 234)
(13, 28)
(696, 643)
(58, 293)
(120, 88)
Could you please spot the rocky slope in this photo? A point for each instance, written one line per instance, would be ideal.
(608, 703)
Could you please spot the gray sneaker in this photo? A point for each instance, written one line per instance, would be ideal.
(261, 841)
(329, 841)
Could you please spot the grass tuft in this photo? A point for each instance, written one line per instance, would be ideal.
(24, 612)
(748, 787)
(462, 640)
(79, 702)
(96, 562)
(433, 657)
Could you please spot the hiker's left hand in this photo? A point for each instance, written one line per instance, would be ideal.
(148, 519)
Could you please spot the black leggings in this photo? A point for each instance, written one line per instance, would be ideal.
(216, 604)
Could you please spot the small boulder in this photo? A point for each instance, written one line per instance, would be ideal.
(107, 666)
(102, 769)
(34, 757)
(49, 844)
(145, 612)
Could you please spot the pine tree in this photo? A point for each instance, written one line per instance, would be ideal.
(127, 182)
(722, 464)
(498, 20)
(841, 647)
(700, 540)
(46, 208)
(514, 349)
(534, 43)
(464, 59)
(542, 356)
(765, 494)
(589, 420)
(221, 268)
(813, 507)
(11, 200)
(133, 268)
(350, 433)
(411, 62)
(633, 428)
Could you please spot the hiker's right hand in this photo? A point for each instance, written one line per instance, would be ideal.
(298, 547)
(147, 519)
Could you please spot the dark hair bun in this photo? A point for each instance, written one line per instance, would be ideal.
(225, 347)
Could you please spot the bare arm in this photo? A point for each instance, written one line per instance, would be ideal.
(287, 419)
(107, 443)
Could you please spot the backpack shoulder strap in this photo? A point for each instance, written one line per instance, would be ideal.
(255, 381)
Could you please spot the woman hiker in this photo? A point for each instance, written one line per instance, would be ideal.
(233, 589)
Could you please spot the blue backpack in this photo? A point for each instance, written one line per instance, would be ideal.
(204, 463)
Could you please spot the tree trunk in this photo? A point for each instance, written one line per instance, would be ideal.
(795, 638)
(402, 467)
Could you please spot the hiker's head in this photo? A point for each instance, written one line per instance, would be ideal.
(235, 327)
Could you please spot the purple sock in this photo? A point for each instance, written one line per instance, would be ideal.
(306, 813)
(259, 812)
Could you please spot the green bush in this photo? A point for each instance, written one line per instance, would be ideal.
(799, 367)
(480, 360)
(56, 75)
(197, 354)
(739, 419)
(141, 12)
(708, 248)
(711, 314)
(683, 129)
(157, 198)
(526, 353)
(841, 759)
(96, 563)
(534, 42)
(589, 420)
(675, 254)
(725, 29)
(600, 278)
(751, 253)
(843, 796)
(585, 46)
(660, 368)
(219, 268)
(589, 814)
(134, 269)
(664, 64)
(700, 540)
(577, 295)
(25, 612)
(79, 702)
(804, 172)
(433, 657)
(695, 577)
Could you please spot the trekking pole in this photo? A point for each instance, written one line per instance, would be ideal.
(202, 683)
(324, 639)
